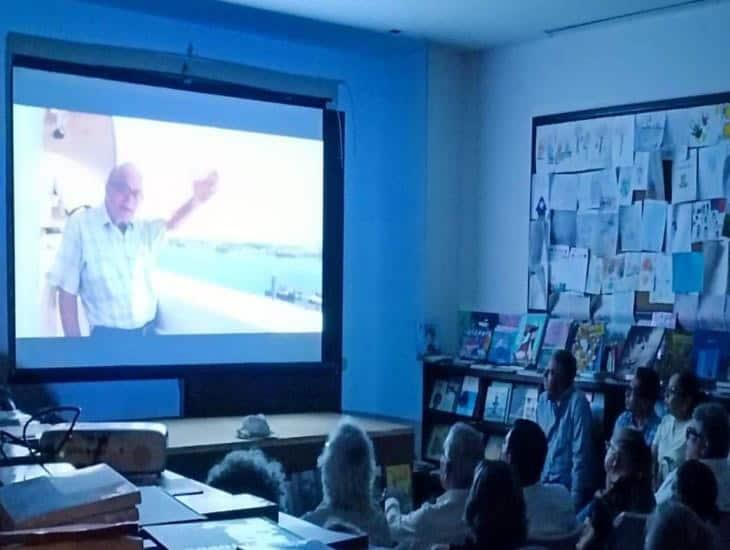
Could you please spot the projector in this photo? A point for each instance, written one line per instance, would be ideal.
(128, 447)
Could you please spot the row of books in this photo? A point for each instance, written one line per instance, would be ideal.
(531, 340)
(434, 449)
(503, 402)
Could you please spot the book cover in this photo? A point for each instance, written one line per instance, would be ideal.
(451, 394)
(641, 349)
(557, 333)
(476, 334)
(588, 347)
(676, 353)
(530, 407)
(258, 533)
(503, 341)
(467, 401)
(711, 354)
(517, 402)
(493, 449)
(398, 476)
(436, 441)
(65, 498)
(497, 401)
(437, 394)
(529, 339)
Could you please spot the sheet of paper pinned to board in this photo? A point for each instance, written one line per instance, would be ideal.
(684, 177)
(653, 224)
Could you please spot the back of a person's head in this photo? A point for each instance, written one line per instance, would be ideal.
(463, 450)
(249, 472)
(674, 526)
(527, 447)
(567, 364)
(495, 507)
(649, 385)
(715, 428)
(634, 453)
(348, 468)
(697, 488)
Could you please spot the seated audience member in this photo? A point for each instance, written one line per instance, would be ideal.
(641, 396)
(628, 487)
(348, 474)
(250, 472)
(442, 522)
(675, 526)
(708, 440)
(495, 509)
(697, 488)
(682, 395)
(564, 415)
(549, 507)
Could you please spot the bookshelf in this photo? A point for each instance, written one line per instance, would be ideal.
(608, 404)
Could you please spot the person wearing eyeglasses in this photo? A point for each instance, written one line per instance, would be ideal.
(107, 257)
(707, 440)
(641, 396)
(681, 396)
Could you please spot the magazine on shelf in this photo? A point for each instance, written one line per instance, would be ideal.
(640, 350)
(437, 394)
(529, 339)
(497, 401)
(557, 335)
(451, 394)
(503, 341)
(467, 402)
(588, 347)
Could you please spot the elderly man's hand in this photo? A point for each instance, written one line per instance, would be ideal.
(205, 188)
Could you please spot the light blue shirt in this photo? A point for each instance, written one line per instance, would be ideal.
(567, 424)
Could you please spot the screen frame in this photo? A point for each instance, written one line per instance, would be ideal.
(333, 136)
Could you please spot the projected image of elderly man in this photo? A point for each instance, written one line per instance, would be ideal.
(107, 257)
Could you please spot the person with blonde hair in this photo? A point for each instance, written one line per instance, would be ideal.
(347, 464)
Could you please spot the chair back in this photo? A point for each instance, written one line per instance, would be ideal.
(629, 531)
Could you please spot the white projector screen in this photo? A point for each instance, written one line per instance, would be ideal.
(157, 226)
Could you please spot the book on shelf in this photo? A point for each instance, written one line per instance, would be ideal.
(436, 439)
(503, 342)
(529, 339)
(398, 476)
(497, 401)
(588, 347)
(711, 354)
(530, 407)
(467, 402)
(66, 498)
(437, 394)
(557, 336)
(676, 353)
(476, 334)
(640, 350)
(451, 394)
(518, 404)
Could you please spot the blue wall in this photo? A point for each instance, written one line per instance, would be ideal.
(385, 95)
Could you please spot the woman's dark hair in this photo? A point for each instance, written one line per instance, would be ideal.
(528, 448)
(689, 387)
(250, 472)
(697, 488)
(495, 508)
(565, 360)
(649, 385)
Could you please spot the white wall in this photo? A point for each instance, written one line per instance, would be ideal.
(662, 57)
(453, 98)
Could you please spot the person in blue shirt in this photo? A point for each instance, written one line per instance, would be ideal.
(564, 415)
(641, 396)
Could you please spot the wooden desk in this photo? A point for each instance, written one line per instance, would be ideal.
(196, 444)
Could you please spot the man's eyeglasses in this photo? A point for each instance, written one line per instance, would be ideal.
(692, 433)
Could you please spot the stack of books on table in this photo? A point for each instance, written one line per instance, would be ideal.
(93, 506)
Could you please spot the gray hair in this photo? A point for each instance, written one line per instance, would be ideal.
(674, 526)
(715, 428)
(463, 450)
(348, 468)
